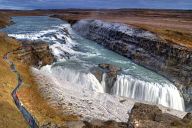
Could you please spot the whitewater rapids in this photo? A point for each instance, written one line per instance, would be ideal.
(125, 85)
(78, 86)
(79, 100)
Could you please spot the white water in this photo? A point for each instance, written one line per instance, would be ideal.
(137, 82)
(125, 85)
(166, 95)
(79, 80)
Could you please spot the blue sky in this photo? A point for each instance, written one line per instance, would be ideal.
(62, 4)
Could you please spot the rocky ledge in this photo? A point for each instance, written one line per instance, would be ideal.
(141, 116)
(34, 53)
(144, 48)
(110, 72)
(150, 116)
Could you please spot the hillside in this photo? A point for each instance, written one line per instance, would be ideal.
(9, 115)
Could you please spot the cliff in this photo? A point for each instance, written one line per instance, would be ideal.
(4, 20)
(144, 48)
(35, 54)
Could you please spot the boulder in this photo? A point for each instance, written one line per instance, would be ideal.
(150, 116)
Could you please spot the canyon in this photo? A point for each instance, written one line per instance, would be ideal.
(144, 48)
(165, 57)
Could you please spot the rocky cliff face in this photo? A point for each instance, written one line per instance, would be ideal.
(110, 72)
(141, 116)
(34, 53)
(144, 48)
(150, 116)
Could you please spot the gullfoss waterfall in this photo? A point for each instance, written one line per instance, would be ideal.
(76, 56)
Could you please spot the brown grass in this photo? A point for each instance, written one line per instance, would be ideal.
(10, 117)
(4, 20)
(35, 103)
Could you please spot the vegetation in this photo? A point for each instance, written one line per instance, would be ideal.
(4, 20)
(10, 117)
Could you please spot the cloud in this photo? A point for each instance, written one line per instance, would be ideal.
(60, 4)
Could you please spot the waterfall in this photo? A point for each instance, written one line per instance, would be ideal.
(164, 94)
(103, 82)
(77, 79)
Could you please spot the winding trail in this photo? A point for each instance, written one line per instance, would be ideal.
(26, 114)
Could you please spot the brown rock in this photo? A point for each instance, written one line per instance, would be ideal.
(111, 72)
(150, 116)
(34, 53)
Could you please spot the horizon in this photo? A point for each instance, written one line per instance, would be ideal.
(95, 4)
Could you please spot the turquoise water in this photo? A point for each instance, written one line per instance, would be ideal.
(90, 53)
(85, 54)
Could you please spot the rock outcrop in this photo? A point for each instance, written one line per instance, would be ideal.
(141, 116)
(110, 72)
(33, 53)
(150, 116)
(144, 48)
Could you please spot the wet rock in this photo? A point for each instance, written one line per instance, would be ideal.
(188, 116)
(35, 53)
(110, 72)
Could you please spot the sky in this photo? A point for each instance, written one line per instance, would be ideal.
(98, 4)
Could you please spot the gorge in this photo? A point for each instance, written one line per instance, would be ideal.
(166, 58)
(73, 77)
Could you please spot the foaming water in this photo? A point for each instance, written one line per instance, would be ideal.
(166, 94)
(135, 81)
(79, 80)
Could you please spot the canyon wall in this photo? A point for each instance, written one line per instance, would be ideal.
(33, 53)
(144, 48)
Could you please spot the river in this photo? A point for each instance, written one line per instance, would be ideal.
(134, 81)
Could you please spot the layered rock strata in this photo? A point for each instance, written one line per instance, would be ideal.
(36, 54)
(144, 48)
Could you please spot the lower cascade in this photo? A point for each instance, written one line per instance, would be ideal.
(78, 79)
(166, 95)
(125, 85)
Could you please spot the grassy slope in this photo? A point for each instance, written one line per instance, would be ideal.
(35, 103)
(29, 92)
(4, 20)
(10, 117)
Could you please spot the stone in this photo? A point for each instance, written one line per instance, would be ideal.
(150, 116)
(110, 71)
(144, 48)
(34, 53)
